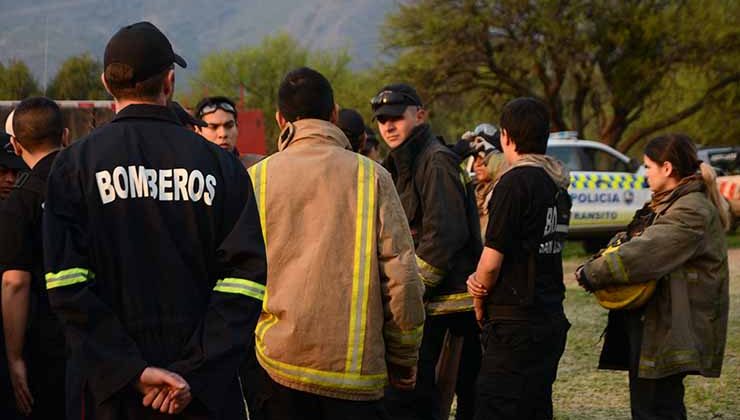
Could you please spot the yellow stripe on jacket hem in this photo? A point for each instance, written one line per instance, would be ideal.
(241, 286)
(332, 380)
(430, 275)
(68, 277)
(447, 304)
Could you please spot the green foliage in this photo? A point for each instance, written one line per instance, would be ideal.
(258, 71)
(16, 81)
(607, 69)
(78, 78)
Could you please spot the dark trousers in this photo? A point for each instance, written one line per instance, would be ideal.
(652, 399)
(278, 402)
(424, 401)
(519, 366)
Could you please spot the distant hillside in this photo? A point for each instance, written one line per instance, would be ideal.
(194, 27)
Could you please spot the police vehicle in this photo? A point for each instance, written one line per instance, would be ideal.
(606, 187)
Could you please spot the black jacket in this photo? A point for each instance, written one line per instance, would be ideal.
(439, 202)
(154, 257)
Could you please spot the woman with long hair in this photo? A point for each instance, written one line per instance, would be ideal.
(677, 242)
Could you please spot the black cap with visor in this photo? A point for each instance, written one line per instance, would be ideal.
(393, 100)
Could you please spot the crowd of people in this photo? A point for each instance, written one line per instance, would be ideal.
(149, 270)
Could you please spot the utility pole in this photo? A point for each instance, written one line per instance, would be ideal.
(46, 50)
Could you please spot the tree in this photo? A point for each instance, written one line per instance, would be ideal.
(16, 81)
(256, 71)
(78, 78)
(601, 67)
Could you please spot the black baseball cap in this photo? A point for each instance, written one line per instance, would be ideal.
(8, 158)
(185, 117)
(137, 52)
(393, 99)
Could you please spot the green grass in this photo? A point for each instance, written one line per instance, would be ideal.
(733, 239)
(583, 392)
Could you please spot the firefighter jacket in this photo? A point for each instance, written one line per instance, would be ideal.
(685, 321)
(154, 257)
(344, 295)
(440, 205)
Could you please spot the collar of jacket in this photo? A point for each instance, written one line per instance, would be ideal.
(402, 158)
(687, 185)
(147, 111)
(312, 131)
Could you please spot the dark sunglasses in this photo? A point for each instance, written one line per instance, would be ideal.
(207, 109)
(389, 97)
(9, 148)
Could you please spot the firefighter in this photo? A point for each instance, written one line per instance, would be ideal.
(154, 257)
(439, 203)
(518, 285)
(343, 310)
(34, 337)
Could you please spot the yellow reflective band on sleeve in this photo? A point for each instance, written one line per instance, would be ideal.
(447, 304)
(430, 275)
(607, 181)
(364, 235)
(615, 266)
(242, 287)
(404, 337)
(68, 277)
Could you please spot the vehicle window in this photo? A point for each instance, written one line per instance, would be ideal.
(569, 155)
(727, 161)
(599, 160)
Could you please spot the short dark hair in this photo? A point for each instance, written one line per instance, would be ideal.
(122, 88)
(38, 122)
(677, 149)
(305, 93)
(527, 123)
(215, 101)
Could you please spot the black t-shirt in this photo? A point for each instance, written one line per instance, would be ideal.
(21, 245)
(522, 209)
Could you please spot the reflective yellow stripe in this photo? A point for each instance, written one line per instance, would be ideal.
(615, 266)
(331, 380)
(445, 304)
(258, 176)
(430, 275)
(607, 181)
(404, 337)
(364, 228)
(241, 286)
(68, 277)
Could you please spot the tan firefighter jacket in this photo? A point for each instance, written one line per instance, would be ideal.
(343, 291)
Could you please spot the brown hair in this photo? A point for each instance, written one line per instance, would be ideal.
(679, 150)
(121, 88)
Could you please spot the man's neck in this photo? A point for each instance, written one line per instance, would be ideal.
(123, 103)
(32, 159)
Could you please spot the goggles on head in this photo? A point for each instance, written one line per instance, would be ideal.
(213, 107)
(389, 97)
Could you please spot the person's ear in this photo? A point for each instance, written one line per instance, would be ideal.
(105, 83)
(281, 121)
(334, 117)
(667, 168)
(421, 115)
(17, 148)
(168, 88)
(65, 137)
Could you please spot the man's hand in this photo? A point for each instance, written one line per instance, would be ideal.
(476, 289)
(19, 380)
(583, 280)
(402, 377)
(163, 390)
